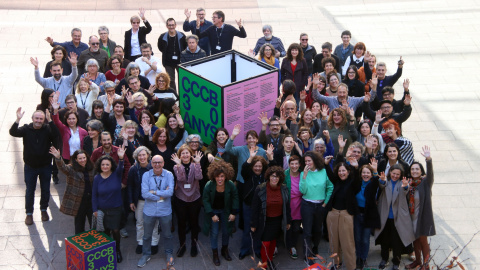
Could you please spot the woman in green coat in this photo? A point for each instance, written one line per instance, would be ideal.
(220, 200)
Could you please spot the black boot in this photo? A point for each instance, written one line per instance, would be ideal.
(216, 260)
(225, 253)
(119, 256)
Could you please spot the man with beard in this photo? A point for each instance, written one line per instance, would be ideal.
(275, 137)
(93, 52)
(37, 140)
(204, 24)
(57, 82)
(171, 44)
(269, 38)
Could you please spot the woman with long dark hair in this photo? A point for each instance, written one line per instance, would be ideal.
(294, 67)
(420, 207)
(77, 199)
(271, 213)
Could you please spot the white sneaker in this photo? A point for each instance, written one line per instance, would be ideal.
(293, 253)
(123, 233)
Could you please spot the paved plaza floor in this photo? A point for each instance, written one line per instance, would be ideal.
(437, 39)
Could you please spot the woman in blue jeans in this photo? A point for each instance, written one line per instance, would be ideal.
(220, 201)
(367, 219)
(316, 190)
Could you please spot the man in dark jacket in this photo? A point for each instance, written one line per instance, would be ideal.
(220, 35)
(94, 52)
(37, 140)
(204, 24)
(326, 52)
(171, 44)
(193, 51)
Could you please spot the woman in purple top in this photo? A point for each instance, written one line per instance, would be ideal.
(188, 171)
(292, 179)
(107, 195)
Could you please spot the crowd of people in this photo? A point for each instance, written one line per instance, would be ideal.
(330, 163)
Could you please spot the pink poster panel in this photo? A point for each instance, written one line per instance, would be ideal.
(243, 103)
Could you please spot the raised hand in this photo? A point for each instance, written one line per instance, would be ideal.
(198, 156)
(264, 118)
(124, 91)
(34, 62)
(309, 82)
(176, 159)
(73, 58)
(405, 182)
(147, 127)
(253, 151)
(382, 176)
(236, 130)
(141, 13)
(406, 84)
(49, 40)
(110, 100)
(55, 104)
(367, 56)
(303, 95)
(324, 111)
(239, 22)
(374, 164)
(20, 114)
(282, 120)
(369, 141)
(129, 97)
(367, 97)
(198, 22)
(378, 117)
(54, 152)
(179, 120)
(278, 102)
(269, 151)
(121, 151)
(401, 62)
(316, 78)
(328, 159)
(426, 152)
(327, 135)
(187, 13)
(151, 89)
(176, 109)
(353, 162)
(374, 81)
(251, 53)
(341, 141)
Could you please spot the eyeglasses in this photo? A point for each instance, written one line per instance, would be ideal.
(194, 142)
(70, 102)
(201, 14)
(139, 100)
(157, 163)
(385, 107)
(214, 17)
(161, 81)
(114, 63)
(135, 22)
(304, 39)
(95, 43)
(171, 25)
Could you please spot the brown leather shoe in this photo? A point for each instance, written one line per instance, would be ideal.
(45, 216)
(29, 220)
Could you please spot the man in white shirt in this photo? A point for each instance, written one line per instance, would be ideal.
(149, 65)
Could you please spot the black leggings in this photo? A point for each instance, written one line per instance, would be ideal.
(188, 211)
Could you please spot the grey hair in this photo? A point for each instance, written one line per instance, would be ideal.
(140, 149)
(200, 9)
(381, 64)
(192, 37)
(140, 94)
(92, 62)
(103, 28)
(109, 84)
(95, 125)
(267, 26)
(193, 136)
(129, 67)
(318, 141)
(90, 38)
(76, 30)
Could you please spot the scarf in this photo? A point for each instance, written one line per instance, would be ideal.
(411, 194)
(220, 149)
(270, 61)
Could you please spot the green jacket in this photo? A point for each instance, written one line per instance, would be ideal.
(231, 204)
